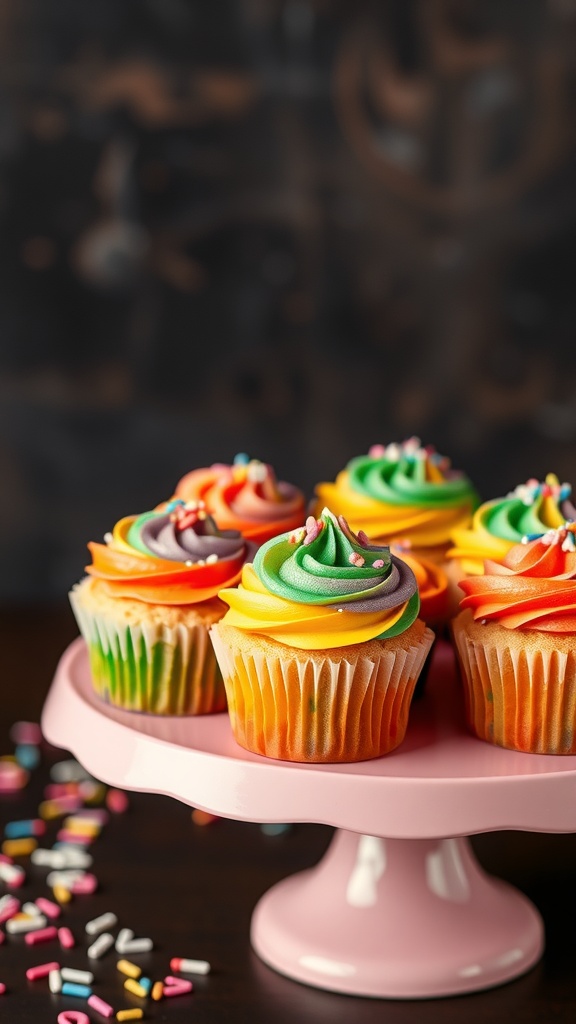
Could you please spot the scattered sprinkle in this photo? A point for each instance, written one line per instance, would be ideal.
(356, 559)
(378, 564)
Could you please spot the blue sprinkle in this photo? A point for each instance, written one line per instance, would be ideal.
(146, 983)
(275, 828)
(19, 829)
(174, 504)
(70, 988)
(241, 459)
(27, 755)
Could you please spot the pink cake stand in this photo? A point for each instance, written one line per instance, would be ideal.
(398, 907)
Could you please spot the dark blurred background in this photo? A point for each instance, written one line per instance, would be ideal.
(293, 228)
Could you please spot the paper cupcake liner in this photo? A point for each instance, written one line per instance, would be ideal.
(319, 710)
(522, 700)
(151, 667)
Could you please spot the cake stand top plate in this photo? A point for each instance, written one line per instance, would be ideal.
(440, 782)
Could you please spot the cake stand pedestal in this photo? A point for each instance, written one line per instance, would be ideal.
(398, 907)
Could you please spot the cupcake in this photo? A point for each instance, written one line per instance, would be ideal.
(516, 645)
(245, 496)
(402, 492)
(321, 646)
(147, 603)
(531, 509)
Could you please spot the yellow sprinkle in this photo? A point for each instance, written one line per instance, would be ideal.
(131, 985)
(157, 991)
(22, 917)
(132, 970)
(8, 757)
(95, 795)
(61, 894)
(49, 809)
(19, 847)
(135, 1014)
(80, 827)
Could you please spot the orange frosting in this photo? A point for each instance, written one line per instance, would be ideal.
(432, 584)
(535, 587)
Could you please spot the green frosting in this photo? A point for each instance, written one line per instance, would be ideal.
(397, 475)
(326, 563)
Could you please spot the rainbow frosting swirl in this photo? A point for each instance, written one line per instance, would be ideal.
(322, 586)
(245, 496)
(531, 509)
(173, 556)
(534, 588)
(402, 491)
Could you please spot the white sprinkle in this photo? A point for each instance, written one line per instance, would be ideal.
(47, 858)
(194, 967)
(80, 977)
(12, 874)
(31, 909)
(108, 538)
(340, 609)
(20, 925)
(65, 878)
(68, 771)
(200, 562)
(101, 924)
(257, 472)
(100, 946)
(126, 943)
(74, 856)
(55, 982)
(524, 539)
(188, 562)
(211, 559)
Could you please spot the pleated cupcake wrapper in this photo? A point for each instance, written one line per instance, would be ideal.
(319, 711)
(152, 668)
(523, 700)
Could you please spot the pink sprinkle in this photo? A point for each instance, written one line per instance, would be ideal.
(313, 528)
(5, 859)
(42, 935)
(117, 801)
(10, 909)
(176, 986)
(26, 732)
(377, 451)
(66, 939)
(2, 988)
(41, 971)
(356, 559)
(100, 1006)
(378, 564)
(363, 538)
(50, 909)
(84, 886)
(56, 790)
(68, 803)
(65, 836)
(73, 1017)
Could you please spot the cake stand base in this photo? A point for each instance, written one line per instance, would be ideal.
(397, 918)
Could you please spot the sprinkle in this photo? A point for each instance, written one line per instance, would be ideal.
(117, 801)
(129, 969)
(297, 536)
(100, 946)
(47, 907)
(2, 988)
(200, 817)
(108, 538)
(62, 894)
(524, 539)
(72, 856)
(100, 1006)
(131, 985)
(22, 924)
(68, 771)
(362, 537)
(27, 756)
(26, 732)
(84, 886)
(19, 847)
(275, 828)
(49, 809)
(64, 879)
(135, 1014)
(73, 1017)
(42, 935)
(69, 988)
(568, 544)
(66, 938)
(101, 923)
(356, 559)
(126, 943)
(157, 991)
(393, 452)
(377, 451)
(24, 829)
(41, 970)
(212, 559)
(188, 563)
(31, 909)
(55, 981)
(378, 564)
(189, 966)
(12, 874)
(9, 907)
(241, 459)
(257, 472)
(313, 527)
(81, 977)
(176, 986)
(12, 776)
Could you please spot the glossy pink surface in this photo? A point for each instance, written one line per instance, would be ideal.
(440, 782)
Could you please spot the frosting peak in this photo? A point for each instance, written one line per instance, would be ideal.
(323, 586)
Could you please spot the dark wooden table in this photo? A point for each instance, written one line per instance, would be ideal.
(193, 890)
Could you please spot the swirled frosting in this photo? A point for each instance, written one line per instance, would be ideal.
(177, 556)
(402, 491)
(534, 588)
(245, 496)
(322, 586)
(531, 509)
